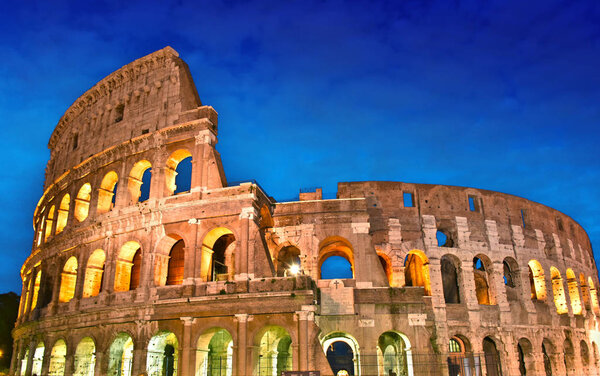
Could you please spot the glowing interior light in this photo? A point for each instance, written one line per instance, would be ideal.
(294, 269)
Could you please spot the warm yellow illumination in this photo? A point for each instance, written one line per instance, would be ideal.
(63, 213)
(82, 202)
(68, 280)
(170, 170)
(294, 269)
(574, 292)
(560, 300)
(124, 266)
(49, 221)
(36, 289)
(106, 192)
(416, 270)
(134, 182)
(93, 274)
(537, 281)
(593, 296)
(206, 270)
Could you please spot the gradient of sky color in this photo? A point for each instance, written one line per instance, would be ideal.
(501, 95)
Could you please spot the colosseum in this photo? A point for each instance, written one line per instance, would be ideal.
(139, 268)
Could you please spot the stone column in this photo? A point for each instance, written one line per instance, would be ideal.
(47, 358)
(186, 367)
(241, 356)
(242, 256)
(139, 360)
(303, 317)
(32, 346)
(69, 360)
(101, 365)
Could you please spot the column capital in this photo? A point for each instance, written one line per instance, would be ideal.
(243, 317)
(188, 320)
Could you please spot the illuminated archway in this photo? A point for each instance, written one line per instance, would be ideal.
(585, 292)
(342, 352)
(593, 296)
(68, 280)
(92, 284)
(82, 202)
(450, 265)
(574, 292)
(36, 289)
(288, 261)
(416, 270)
(57, 358)
(38, 359)
(275, 351)
(214, 353)
(49, 221)
(169, 261)
(121, 355)
(218, 248)
(24, 362)
(163, 353)
(394, 354)
(139, 181)
(178, 166)
(63, 213)
(386, 264)
(560, 300)
(336, 246)
(107, 192)
(128, 267)
(537, 281)
(481, 273)
(85, 358)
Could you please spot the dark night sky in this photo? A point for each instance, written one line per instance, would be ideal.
(501, 95)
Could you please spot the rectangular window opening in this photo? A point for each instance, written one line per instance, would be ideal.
(408, 198)
(119, 113)
(559, 224)
(474, 204)
(75, 140)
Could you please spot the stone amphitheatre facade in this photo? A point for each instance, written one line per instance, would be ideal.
(135, 269)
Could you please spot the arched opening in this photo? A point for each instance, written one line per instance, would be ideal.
(288, 261)
(49, 221)
(560, 300)
(416, 271)
(450, 283)
(178, 172)
(342, 352)
(36, 289)
(569, 357)
(214, 353)
(85, 358)
(336, 255)
(39, 230)
(511, 279)
(138, 183)
(82, 202)
(68, 279)
(537, 281)
(574, 292)
(386, 264)
(593, 296)
(460, 358)
(169, 261)
(585, 353)
(107, 192)
(128, 267)
(24, 362)
(394, 354)
(57, 358)
(525, 356)
(547, 353)
(482, 286)
(585, 292)
(92, 284)
(120, 358)
(218, 248)
(492, 358)
(275, 351)
(38, 359)
(63, 213)
(162, 359)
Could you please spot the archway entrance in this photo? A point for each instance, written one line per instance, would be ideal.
(121, 356)
(275, 351)
(214, 353)
(342, 354)
(394, 356)
(57, 359)
(492, 358)
(162, 355)
(85, 358)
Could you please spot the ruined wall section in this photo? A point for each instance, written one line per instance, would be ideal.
(151, 93)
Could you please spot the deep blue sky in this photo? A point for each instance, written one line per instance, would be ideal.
(501, 95)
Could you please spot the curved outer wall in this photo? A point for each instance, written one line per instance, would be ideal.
(150, 111)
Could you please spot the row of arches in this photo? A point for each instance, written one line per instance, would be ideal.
(178, 177)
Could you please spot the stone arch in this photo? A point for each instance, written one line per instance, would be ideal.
(585, 353)
(266, 219)
(450, 265)
(25, 361)
(491, 354)
(58, 356)
(138, 176)
(120, 356)
(288, 261)
(335, 246)
(38, 359)
(85, 357)
(162, 354)
(36, 289)
(585, 292)
(525, 356)
(275, 352)
(537, 281)
(82, 202)
(595, 353)
(416, 270)
(569, 356)
(128, 266)
(214, 353)
(49, 221)
(169, 260)
(218, 247)
(107, 192)
(574, 292)
(335, 346)
(548, 355)
(94, 273)
(386, 263)
(460, 357)
(63, 213)
(394, 354)
(593, 296)
(68, 280)
(481, 274)
(173, 169)
(558, 290)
